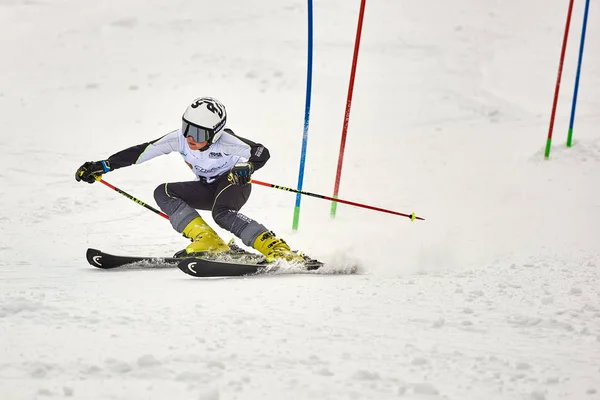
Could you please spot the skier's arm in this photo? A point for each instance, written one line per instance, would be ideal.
(145, 151)
(257, 154)
(92, 170)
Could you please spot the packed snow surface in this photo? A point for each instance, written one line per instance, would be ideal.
(496, 295)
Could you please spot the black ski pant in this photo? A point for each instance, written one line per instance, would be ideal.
(180, 200)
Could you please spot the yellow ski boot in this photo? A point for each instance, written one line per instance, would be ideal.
(204, 238)
(274, 248)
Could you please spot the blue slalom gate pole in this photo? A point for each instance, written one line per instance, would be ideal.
(306, 114)
(580, 60)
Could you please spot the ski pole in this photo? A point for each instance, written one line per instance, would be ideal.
(320, 196)
(130, 197)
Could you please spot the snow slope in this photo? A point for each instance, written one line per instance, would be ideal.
(495, 296)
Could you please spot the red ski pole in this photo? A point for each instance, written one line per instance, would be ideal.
(320, 196)
(130, 197)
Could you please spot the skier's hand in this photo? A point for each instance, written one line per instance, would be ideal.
(90, 170)
(241, 173)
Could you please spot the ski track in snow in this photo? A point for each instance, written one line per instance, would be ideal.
(496, 295)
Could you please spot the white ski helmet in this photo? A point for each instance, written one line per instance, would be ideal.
(204, 120)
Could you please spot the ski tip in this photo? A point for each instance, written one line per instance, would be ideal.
(187, 266)
(94, 257)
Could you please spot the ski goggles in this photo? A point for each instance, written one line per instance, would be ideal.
(198, 133)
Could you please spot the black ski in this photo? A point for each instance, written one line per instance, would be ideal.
(100, 259)
(204, 268)
(103, 260)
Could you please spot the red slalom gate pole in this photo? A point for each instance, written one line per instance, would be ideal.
(130, 197)
(557, 88)
(338, 175)
(320, 196)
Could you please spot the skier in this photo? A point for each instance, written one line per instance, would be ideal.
(223, 164)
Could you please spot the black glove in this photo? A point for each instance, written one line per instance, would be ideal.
(90, 170)
(241, 173)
